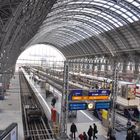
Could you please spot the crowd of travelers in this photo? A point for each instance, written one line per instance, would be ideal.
(90, 135)
(132, 133)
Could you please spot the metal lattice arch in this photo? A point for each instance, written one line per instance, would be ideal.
(92, 27)
(78, 28)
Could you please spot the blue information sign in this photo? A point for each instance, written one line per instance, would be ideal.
(103, 105)
(99, 92)
(75, 92)
(77, 106)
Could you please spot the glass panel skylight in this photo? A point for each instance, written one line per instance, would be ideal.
(122, 9)
(129, 0)
(101, 16)
(135, 18)
(135, 3)
(129, 13)
(129, 19)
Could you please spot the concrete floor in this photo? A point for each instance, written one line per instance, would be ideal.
(10, 107)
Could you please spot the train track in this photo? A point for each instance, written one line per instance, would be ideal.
(35, 123)
(58, 84)
(54, 81)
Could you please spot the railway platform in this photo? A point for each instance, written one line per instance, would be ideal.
(83, 119)
(10, 107)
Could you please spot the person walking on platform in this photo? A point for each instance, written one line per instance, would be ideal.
(53, 102)
(129, 135)
(90, 132)
(73, 130)
(85, 135)
(95, 131)
(128, 124)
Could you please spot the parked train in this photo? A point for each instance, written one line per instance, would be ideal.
(93, 81)
(127, 111)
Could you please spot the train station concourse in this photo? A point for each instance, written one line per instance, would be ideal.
(69, 69)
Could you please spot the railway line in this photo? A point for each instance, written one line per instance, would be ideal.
(36, 126)
(58, 84)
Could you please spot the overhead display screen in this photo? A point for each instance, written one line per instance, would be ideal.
(77, 106)
(76, 93)
(80, 98)
(103, 105)
(100, 92)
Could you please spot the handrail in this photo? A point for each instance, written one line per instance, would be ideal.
(8, 130)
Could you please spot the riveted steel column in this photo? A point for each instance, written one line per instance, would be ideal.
(124, 66)
(136, 67)
(99, 67)
(64, 103)
(106, 66)
(114, 92)
(93, 66)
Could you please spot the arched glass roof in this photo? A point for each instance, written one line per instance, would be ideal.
(84, 25)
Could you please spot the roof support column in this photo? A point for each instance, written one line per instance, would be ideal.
(78, 65)
(93, 67)
(124, 66)
(136, 66)
(114, 92)
(106, 67)
(70, 65)
(99, 67)
(87, 66)
(83, 65)
(74, 65)
(64, 103)
(131, 66)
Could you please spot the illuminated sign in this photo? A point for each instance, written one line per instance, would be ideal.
(76, 92)
(77, 106)
(80, 98)
(90, 106)
(98, 97)
(105, 92)
(102, 105)
(79, 95)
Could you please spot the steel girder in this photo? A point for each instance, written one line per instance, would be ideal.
(75, 27)
(88, 23)
(72, 7)
(65, 11)
(68, 16)
(72, 33)
(23, 25)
